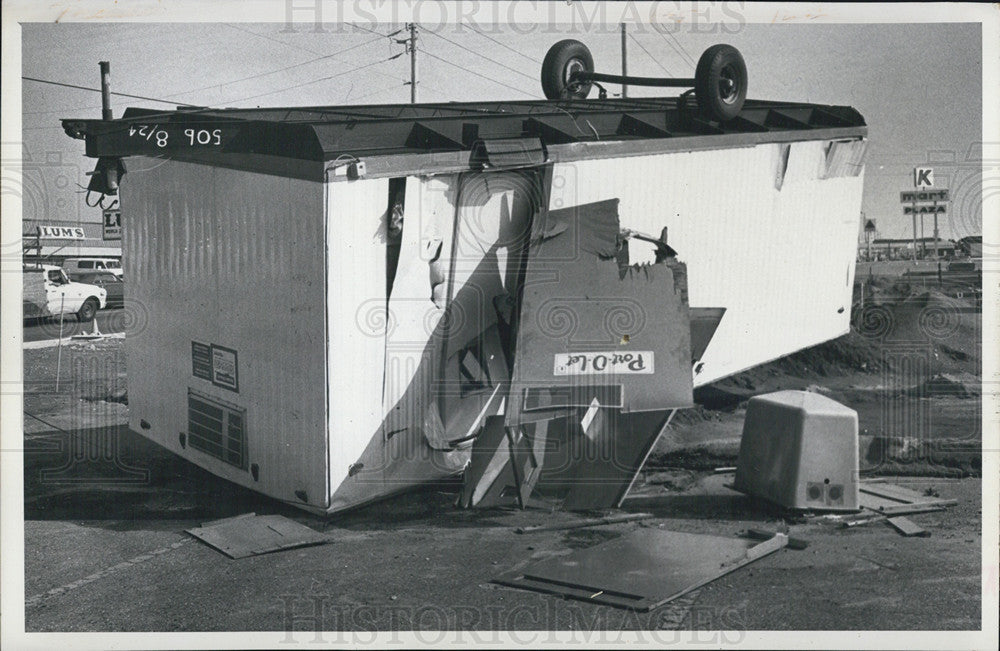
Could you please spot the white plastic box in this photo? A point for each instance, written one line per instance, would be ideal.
(800, 450)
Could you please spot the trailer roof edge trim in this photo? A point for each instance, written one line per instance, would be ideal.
(434, 138)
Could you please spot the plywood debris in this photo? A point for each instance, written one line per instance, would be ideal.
(890, 499)
(250, 534)
(908, 527)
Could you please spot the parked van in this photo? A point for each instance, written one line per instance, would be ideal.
(74, 266)
(49, 292)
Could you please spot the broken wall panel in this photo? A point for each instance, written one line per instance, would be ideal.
(588, 321)
(732, 227)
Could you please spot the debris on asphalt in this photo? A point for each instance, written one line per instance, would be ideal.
(908, 527)
(891, 499)
(862, 520)
(591, 522)
(763, 534)
(641, 570)
(251, 534)
(89, 336)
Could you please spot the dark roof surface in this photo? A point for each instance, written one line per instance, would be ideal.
(309, 135)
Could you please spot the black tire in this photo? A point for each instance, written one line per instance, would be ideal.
(720, 82)
(88, 310)
(562, 59)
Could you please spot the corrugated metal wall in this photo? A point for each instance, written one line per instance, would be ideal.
(780, 260)
(236, 259)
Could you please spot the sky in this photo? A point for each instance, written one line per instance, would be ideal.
(919, 86)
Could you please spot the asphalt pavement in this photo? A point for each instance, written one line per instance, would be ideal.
(111, 554)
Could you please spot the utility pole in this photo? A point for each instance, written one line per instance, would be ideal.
(413, 63)
(106, 113)
(624, 61)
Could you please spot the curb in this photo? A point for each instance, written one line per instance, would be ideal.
(48, 343)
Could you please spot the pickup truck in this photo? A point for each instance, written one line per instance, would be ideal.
(49, 292)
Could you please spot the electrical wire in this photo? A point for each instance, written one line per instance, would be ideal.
(366, 29)
(678, 48)
(98, 90)
(460, 67)
(316, 81)
(444, 38)
(503, 45)
(272, 72)
(643, 48)
(372, 31)
(305, 49)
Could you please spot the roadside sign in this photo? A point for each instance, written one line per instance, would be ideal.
(870, 226)
(112, 224)
(923, 177)
(923, 196)
(60, 233)
(924, 210)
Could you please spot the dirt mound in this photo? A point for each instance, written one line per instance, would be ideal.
(906, 319)
(948, 385)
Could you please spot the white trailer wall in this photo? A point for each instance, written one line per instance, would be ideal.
(780, 260)
(236, 259)
(383, 360)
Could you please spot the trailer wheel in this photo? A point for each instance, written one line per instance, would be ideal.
(561, 61)
(720, 82)
(87, 311)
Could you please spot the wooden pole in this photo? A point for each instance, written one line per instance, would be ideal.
(106, 113)
(413, 63)
(624, 60)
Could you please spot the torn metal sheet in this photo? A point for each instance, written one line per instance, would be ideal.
(641, 570)
(589, 319)
(612, 457)
(251, 535)
(704, 322)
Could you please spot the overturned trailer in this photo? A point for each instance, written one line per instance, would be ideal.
(338, 303)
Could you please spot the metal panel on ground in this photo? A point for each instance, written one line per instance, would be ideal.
(216, 261)
(641, 570)
(250, 535)
(781, 262)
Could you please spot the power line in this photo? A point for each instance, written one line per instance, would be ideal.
(503, 45)
(376, 92)
(678, 48)
(372, 31)
(97, 90)
(455, 65)
(480, 55)
(641, 47)
(316, 81)
(311, 51)
(271, 72)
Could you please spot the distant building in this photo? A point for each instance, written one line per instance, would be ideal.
(52, 241)
(902, 249)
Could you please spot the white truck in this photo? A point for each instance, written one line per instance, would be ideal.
(49, 292)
